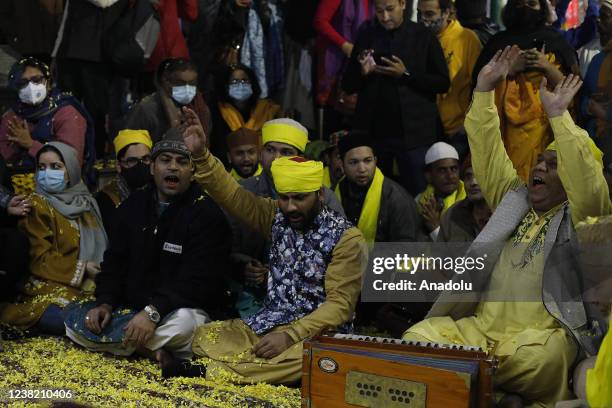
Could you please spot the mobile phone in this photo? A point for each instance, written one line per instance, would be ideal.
(378, 57)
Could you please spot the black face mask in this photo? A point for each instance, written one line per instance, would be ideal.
(528, 17)
(137, 177)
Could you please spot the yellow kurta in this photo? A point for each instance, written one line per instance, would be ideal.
(228, 344)
(461, 48)
(534, 351)
(57, 275)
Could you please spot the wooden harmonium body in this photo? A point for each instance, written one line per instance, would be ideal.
(342, 370)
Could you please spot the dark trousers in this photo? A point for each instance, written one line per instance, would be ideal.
(410, 163)
(90, 82)
(14, 260)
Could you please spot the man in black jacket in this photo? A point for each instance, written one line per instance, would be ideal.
(165, 262)
(398, 67)
(381, 209)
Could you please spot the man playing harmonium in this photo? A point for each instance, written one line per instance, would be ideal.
(316, 262)
(536, 342)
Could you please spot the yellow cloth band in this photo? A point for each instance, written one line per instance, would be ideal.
(597, 154)
(297, 175)
(368, 219)
(283, 133)
(129, 136)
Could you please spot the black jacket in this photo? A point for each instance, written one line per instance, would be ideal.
(398, 220)
(423, 57)
(172, 261)
(85, 28)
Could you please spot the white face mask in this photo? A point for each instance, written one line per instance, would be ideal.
(33, 94)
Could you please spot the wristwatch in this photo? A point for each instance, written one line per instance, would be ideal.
(152, 313)
(406, 74)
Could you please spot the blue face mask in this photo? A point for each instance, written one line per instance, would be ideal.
(183, 95)
(52, 181)
(240, 92)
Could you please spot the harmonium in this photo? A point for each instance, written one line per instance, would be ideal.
(343, 370)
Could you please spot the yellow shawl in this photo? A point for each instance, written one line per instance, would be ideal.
(449, 200)
(238, 177)
(368, 219)
(599, 378)
(264, 111)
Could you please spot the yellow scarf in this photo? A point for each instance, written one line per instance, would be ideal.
(264, 111)
(368, 219)
(238, 177)
(449, 200)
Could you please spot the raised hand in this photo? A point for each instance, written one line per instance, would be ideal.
(497, 69)
(193, 132)
(557, 101)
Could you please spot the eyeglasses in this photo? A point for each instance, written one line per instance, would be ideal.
(239, 81)
(37, 79)
(133, 161)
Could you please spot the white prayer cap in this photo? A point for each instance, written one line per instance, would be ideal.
(606, 3)
(440, 151)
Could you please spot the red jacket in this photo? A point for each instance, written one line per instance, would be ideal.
(171, 42)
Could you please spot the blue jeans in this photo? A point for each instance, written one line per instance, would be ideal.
(52, 321)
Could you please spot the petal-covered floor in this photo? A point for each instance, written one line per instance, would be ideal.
(103, 381)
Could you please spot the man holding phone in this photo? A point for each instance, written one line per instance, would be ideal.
(397, 67)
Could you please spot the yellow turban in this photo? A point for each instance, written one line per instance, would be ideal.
(597, 154)
(281, 131)
(297, 175)
(129, 136)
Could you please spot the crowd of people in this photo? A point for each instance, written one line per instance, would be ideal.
(228, 231)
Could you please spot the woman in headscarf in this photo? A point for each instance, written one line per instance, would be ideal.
(239, 105)
(545, 53)
(42, 114)
(67, 243)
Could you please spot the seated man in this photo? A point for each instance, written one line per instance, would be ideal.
(165, 262)
(133, 152)
(333, 171)
(540, 325)
(382, 210)
(243, 153)
(316, 263)
(444, 187)
(280, 137)
(465, 219)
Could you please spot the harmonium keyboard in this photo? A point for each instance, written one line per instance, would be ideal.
(342, 370)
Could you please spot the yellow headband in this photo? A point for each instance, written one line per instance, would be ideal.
(597, 154)
(284, 133)
(297, 175)
(129, 136)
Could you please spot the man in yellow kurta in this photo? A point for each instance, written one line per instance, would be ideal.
(316, 263)
(537, 337)
(461, 48)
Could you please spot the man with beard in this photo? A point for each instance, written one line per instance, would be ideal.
(280, 138)
(444, 187)
(162, 275)
(133, 153)
(243, 153)
(464, 220)
(316, 263)
(461, 48)
(527, 305)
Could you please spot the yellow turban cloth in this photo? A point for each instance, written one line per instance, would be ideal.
(129, 136)
(297, 175)
(284, 133)
(597, 154)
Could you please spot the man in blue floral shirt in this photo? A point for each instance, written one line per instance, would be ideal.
(316, 262)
